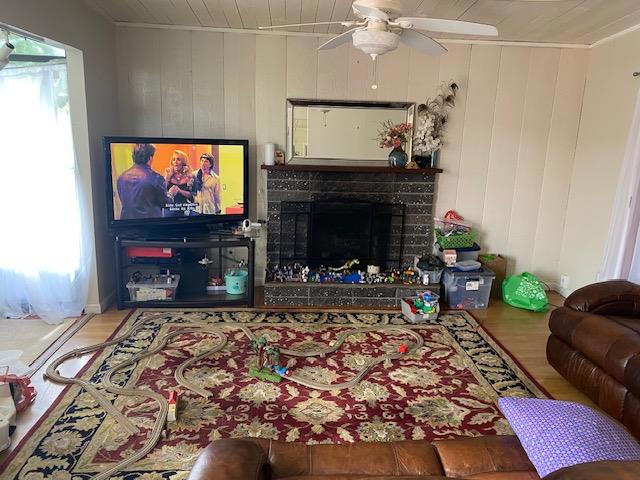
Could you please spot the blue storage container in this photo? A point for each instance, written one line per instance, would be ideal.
(236, 282)
(467, 290)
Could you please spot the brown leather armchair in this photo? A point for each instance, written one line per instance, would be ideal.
(595, 344)
(478, 458)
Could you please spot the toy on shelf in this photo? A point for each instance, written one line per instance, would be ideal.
(267, 367)
(172, 413)
(296, 272)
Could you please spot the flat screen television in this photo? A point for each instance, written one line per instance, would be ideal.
(157, 181)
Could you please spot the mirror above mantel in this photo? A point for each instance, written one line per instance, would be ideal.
(330, 132)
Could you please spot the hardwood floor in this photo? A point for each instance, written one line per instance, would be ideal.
(523, 333)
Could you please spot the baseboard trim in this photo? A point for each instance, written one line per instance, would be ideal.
(103, 306)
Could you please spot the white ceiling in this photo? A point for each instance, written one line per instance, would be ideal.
(565, 21)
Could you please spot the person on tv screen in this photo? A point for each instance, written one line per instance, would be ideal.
(142, 191)
(179, 182)
(207, 187)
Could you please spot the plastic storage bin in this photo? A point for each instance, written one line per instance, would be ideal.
(162, 288)
(467, 290)
(468, 253)
(406, 303)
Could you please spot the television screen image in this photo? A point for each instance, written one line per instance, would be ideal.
(156, 179)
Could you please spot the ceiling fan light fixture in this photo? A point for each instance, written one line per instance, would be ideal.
(375, 42)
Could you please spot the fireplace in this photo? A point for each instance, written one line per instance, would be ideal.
(328, 217)
(332, 232)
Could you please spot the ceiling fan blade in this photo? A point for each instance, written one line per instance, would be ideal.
(421, 42)
(339, 40)
(365, 11)
(346, 24)
(441, 25)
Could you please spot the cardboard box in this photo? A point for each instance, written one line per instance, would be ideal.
(498, 264)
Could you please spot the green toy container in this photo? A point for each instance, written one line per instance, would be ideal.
(236, 281)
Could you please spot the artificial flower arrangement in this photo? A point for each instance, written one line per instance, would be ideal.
(432, 118)
(394, 136)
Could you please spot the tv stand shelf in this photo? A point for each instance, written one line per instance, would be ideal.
(186, 255)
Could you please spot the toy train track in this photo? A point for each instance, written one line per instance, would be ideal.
(158, 428)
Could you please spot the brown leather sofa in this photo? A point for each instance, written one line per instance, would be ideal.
(595, 344)
(478, 458)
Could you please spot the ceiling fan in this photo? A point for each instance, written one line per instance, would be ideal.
(382, 27)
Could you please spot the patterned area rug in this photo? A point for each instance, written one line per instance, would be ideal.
(449, 387)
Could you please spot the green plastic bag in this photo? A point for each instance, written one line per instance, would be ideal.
(525, 291)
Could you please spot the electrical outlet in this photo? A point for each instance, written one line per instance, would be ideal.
(564, 281)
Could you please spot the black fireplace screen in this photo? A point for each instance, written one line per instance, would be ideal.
(332, 232)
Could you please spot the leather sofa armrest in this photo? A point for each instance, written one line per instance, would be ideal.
(614, 297)
(231, 459)
(598, 471)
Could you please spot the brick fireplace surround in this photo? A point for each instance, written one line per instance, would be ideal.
(414, 190)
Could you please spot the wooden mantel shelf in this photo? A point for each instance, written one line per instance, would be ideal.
(348, 169)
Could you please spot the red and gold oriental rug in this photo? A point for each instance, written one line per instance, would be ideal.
(448, 387)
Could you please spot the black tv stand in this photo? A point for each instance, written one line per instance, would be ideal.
(181, 253)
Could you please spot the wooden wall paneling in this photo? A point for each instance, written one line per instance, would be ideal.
(201, 12)
(239, 98)
(451, 9)
(207, 54)
(424, 73)
(563, 136)
(341, 11)
(612, 28)
(177, 83)
(231, 13)
(491, 12)
(159, 10)
(556, 28)
(602, 12)
(426, 7)
(127, 10)
(540, 21)
(325, 8)
(360, 75)
(302, 67)
(454, 65)
(278, 11)
(293, 12)
(216, 10)
(393, 74)
(333, 72)
(534, 140)
(505, 142)
(123, 74)
(527, 15)
(247, 11)
(183, 14)
(476, 136)
(99, 7)
(271, 93)
(308, 14)
(139, 80)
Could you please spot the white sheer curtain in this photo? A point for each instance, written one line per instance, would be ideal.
(622, 253)
(45, 252)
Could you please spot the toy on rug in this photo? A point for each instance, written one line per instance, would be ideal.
(172, 414)
(16, 394)
(268, 367)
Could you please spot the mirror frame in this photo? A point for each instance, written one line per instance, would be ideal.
(294, 102)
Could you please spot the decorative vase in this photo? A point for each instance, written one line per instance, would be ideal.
(422, 161)
(435, 159)
(398, 158)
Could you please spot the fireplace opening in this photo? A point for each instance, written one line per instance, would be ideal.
(332, 232)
